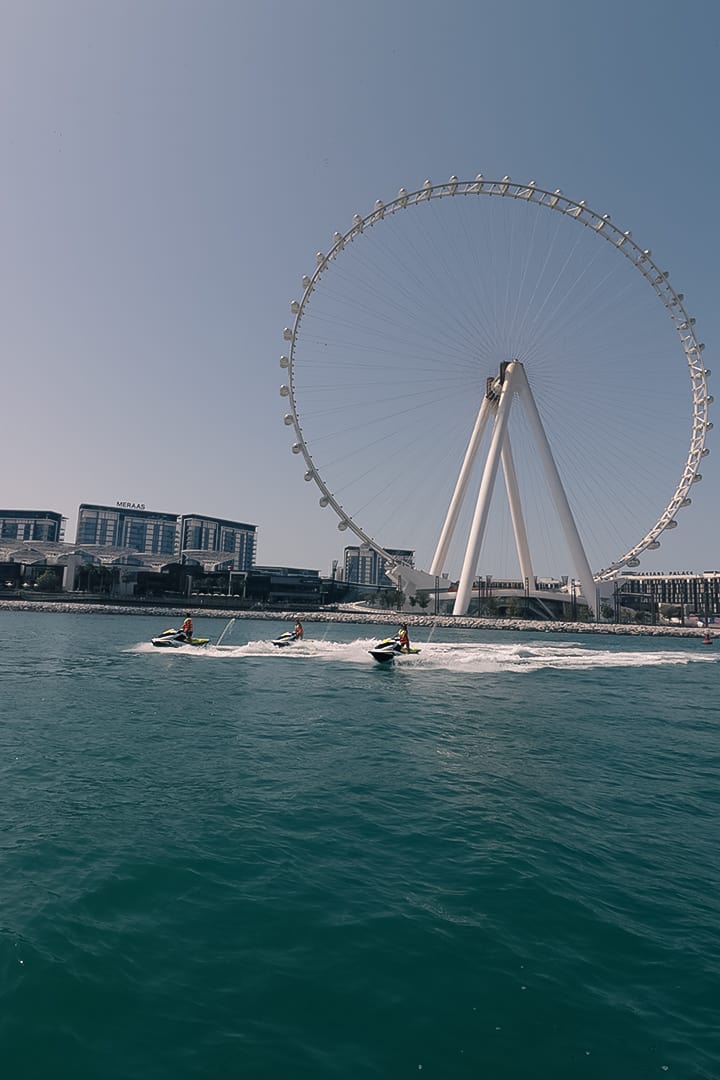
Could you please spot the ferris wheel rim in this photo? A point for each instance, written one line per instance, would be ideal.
(599, 223)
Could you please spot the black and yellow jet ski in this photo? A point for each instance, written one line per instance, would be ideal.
(286, 638)
(387, 649)
(175, 639)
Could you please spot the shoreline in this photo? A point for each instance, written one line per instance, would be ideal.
(351, 615)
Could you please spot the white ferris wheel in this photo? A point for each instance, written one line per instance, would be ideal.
(445, 339)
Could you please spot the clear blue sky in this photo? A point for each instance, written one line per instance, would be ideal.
(171, 168)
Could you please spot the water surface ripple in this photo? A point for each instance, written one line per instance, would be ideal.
(496, 859)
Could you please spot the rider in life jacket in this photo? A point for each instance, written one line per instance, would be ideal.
(187, 627)
(402, 636)
(298, 631)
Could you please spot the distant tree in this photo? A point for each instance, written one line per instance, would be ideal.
(413, 600)
(94, 579)
(48, 581)
(607, 610)
(395, 598)
(422, 598)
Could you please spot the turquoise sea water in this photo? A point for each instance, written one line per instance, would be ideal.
(498, 859)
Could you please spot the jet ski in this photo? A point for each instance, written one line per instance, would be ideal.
(175, 639)
(286, 638)
(388, 649)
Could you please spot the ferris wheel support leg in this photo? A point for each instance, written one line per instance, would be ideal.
(562, 506)
(438, 563)
(518, 521)
(485, 494)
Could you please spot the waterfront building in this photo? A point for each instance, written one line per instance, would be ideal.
(695, 596)
(127, 525)
(41, 525)
(284, 586)
(363, 565)
(233, 542)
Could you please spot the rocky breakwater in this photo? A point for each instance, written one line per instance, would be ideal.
(457, 622)
(358, 614)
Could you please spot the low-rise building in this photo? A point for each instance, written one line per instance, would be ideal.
(284, 586)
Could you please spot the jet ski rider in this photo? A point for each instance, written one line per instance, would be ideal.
(187, 627)
(298, 631)
(402, 636)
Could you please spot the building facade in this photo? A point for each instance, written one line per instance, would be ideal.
(127, 526)
(284, 586)
(363, 565)
(45, 525)
(232, 542)
(697, 596)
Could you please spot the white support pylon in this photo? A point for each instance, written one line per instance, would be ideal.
(448, 529)
(487, 484)
(512, 381)
(516, 514)
(562, 506)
